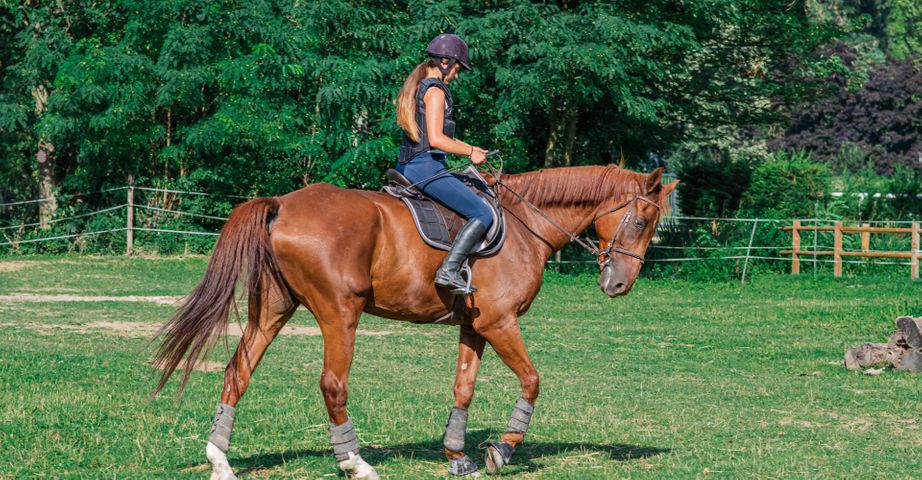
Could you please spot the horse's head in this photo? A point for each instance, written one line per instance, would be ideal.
(625, 228)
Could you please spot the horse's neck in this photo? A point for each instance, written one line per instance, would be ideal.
(569, 197)
(573, 219)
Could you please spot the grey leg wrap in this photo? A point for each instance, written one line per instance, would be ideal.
(344, 440)
(520, 417)
(221, 427)
(455, 429)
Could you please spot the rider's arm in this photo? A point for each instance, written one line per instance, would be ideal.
(435, 120)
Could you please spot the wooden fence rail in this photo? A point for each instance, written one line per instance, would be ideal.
(837, 252)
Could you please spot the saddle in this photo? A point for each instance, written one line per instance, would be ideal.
(436, 224)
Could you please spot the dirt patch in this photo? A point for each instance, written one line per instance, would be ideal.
(148, 329)
(127, 327)
(852, 423)
(799, 423)
(131, 328)
(202, 467)
(15, 266)
(53, 290)
(203, 366)
(31, 297)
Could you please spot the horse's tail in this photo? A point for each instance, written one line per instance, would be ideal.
(242, 245)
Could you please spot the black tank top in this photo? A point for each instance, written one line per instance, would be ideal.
(410, 149)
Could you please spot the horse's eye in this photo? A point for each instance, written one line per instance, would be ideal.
(639, 224)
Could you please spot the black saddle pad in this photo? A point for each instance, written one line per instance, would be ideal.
(438, 225)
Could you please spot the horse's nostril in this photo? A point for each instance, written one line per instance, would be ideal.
(619, 286)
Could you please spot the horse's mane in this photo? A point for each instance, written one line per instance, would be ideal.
(573, 185)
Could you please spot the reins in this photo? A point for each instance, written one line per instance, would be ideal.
(585, 241)
(572, 236)
(437, 175)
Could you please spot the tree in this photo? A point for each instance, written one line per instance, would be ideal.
(883, 119)
(264, 96)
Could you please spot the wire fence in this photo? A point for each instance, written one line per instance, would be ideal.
(678, 240)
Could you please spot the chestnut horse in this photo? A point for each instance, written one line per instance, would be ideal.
(343, 252)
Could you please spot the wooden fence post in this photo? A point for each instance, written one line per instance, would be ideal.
(866, 238)
(795, 248)
(129, 231)
(837, 250)
(914, 259)
(816, 234)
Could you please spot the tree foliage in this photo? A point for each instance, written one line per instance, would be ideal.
(787, 186)
(264, 96)
(883, 119)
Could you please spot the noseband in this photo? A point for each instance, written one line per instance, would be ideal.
(617, 248)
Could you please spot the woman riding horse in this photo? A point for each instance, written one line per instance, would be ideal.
(340, 252)
(425, 111)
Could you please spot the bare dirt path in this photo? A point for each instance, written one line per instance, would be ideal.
(144, 329)
(31, 297)
(129, 328)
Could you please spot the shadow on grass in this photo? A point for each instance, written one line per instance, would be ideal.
(522, 461)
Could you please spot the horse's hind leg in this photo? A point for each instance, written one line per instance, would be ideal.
(267, 314)
(338, 319)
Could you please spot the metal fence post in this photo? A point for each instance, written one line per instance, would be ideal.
(129, 230)
(752, 236)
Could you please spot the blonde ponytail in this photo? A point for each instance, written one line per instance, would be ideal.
(406, 101)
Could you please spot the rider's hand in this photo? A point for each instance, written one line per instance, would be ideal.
(478, 155)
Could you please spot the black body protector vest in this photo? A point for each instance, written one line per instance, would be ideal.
(410, 149)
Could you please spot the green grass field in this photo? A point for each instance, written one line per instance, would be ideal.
(676, 380)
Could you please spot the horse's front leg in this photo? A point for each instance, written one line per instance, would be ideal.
(506, 339)
(470, 351)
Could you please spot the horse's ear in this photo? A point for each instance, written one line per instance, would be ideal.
(667, 189)
(654, 180)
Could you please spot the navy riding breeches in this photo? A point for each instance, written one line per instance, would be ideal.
(444, 187)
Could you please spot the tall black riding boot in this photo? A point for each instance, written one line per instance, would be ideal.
(449, 274)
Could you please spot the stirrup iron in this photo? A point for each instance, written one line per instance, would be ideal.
(469, 288)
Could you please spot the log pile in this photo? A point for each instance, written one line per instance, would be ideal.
(902, 352)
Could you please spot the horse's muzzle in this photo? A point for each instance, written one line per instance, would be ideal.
(613, 283)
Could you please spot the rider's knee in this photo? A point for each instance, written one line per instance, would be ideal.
(485, 217)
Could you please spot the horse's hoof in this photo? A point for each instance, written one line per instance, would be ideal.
(222, 475)
(220, 468)
(497, 456)
(358, 469)
(463, 467)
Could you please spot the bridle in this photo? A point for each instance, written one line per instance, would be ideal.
(587, 242)
(616, 235)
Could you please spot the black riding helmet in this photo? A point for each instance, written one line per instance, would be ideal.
(450, 46)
